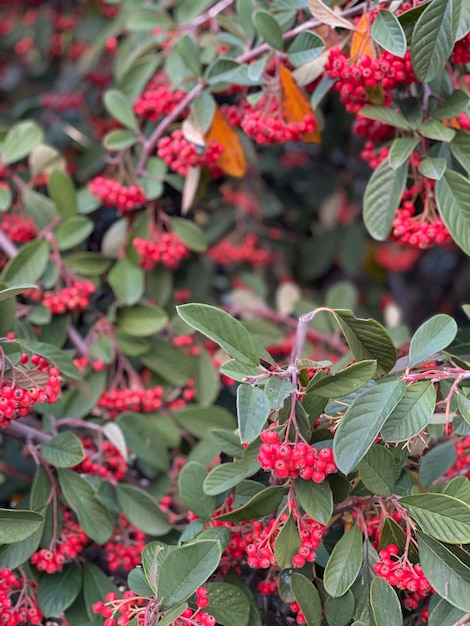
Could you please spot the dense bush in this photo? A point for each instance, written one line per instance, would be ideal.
(195, 426)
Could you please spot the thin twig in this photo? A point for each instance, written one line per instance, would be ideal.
(21, 431)
(7, 246)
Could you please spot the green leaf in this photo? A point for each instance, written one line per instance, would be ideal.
(455, 104)
(185, 569)
(436, 462)
(229, 605)
(253, 409)
(363, 421)
(20, 141)
(119, 107)
(437, 131)
(96, 584)
(190, 234)
(17, 525)
(367, 339)
(339, 611)
(119, 140)
(432, 40)
(385, 604)
(137, 582)
(382, 198)
(203, 109)
(387, 115)
(162, 358)
(346, 381)
(460, 148)
(432, 336)
(29, 264)
(5, 198)
(263, 503)
(308, 598)
(238, 371)
(377, 470)
(269, 29)
(412, 414)
(56, 592)
(287, 543)
(73, 231)
(15, 554)
(96, 520)
(453, 201)
(207, 379)
(316, 499)
(448, 575)
(62, 190)
(433, 168)
(304, 48)
(127, 281)
(442, 613)
(11, 292)
(344, 563)
(388, 33)
(199, 420)
(64, 450)
(223, 477)
(190, 489)
(88, 263)
(222, 328)
(142, 510)
(441, 516)
(401, 150)
(141, 320)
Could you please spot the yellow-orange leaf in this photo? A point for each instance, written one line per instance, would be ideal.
(362, 42)
(453, 122)
(295, 105)
(232, 160)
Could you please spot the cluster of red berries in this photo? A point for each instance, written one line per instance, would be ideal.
(74, 299)
(300, 617)
(181, 155)
(186, 342)
(241, 199)
(71, 542)
(130, 607)
(289, 460)
(461, 467)
(373, 155)
(358, 82)
(399, 572)
(247, 251)
(106, 462)
(17, 398)
(424, 230)
(396, 258)
(260, 550)
(123, 550)
(461, 51)
(158, 99)
(19, 229)
(270, 586)
(189, 617)
(113, 193)
(374, 130)
(17, 606)
(116, 401)
(61, 102)
(166, 248)
(265, 123)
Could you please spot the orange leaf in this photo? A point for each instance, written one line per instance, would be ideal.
(362, 42)
(295, 105)
(453, 122)
(232, 160)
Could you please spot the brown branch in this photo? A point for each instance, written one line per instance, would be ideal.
(23, 432)
(7, 246)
